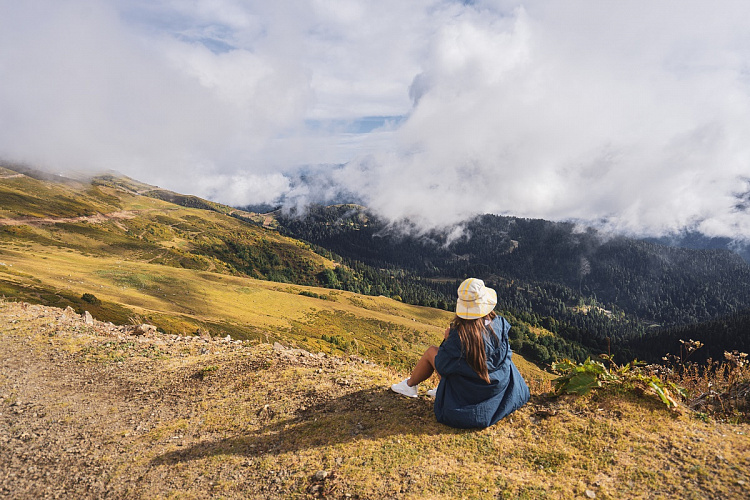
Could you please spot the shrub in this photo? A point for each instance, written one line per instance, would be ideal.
(91, 299)
(580, 378)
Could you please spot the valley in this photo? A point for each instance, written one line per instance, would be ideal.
(264, 367)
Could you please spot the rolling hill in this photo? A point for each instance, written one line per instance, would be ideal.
(103, 245)
(264, 378)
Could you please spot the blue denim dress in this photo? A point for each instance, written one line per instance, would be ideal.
(465, 400)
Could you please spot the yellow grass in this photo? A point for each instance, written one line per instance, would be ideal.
(194, 299)
(260, 423)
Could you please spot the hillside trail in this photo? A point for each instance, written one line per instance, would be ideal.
(61, 418)
(96, 218)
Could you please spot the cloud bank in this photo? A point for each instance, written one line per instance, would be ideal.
(632, 115)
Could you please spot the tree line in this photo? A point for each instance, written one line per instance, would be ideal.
(594, 292)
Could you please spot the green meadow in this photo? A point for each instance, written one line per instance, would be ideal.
(148, 260)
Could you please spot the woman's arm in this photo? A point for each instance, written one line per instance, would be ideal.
(448, 358)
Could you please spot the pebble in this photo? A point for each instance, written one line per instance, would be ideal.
(590, 494)
(321, 475)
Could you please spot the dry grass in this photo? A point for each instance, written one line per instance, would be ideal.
(718, 389)
(184, 301)
(206, 419)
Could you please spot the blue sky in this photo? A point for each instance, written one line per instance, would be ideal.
(634, 114)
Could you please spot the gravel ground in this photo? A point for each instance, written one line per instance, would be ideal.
(78, 399)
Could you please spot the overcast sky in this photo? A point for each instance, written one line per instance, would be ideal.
(635, 114)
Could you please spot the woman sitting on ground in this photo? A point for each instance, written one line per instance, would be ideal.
(479, 384)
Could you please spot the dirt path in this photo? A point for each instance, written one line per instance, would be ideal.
(97, 218)
(69, 421)
(64, 423)
(87, 409)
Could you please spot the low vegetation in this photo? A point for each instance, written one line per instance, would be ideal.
(90, 411)
(276, 389)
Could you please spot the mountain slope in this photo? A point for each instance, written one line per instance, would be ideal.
(91, 410)
(656, 282)
(88, 408)
(124, 256)
(585, 286)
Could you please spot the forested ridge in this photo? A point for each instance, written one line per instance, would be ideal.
(596, 292)
(728, 333)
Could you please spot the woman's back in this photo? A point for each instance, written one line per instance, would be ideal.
(463, 398)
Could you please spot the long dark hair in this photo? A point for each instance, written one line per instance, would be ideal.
(471, 333)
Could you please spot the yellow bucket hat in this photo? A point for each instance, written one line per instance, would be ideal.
(474, 299)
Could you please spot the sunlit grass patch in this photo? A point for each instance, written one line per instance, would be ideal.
(280, 416)
(550, 461)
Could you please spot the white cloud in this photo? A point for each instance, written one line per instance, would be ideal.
(632, 112)
(583, 114)
(236, 190)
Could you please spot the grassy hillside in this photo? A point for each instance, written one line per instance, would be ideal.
(184, 301)
(88, 411)
(300, 405)
(185, 270)
(128, 241)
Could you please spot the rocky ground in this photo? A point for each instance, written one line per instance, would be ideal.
(94, 410)
(80, 399)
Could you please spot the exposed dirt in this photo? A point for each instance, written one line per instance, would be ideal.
(96, 218)
(93, 410)
(78, 401)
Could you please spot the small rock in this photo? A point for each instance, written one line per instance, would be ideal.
(144, 329)
(88, 318)
(590, 494)
(741, 482)
(266, 411)
(321, 475)
(278, 347)
(313, 490)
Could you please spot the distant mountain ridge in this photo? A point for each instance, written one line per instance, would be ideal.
(569, 292)
(698, 241)
(617, 270)
(549, 268)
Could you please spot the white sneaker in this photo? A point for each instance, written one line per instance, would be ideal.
(432, 392)
(403, 388)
